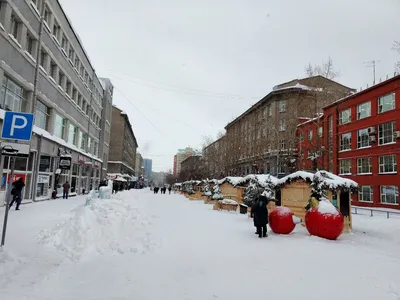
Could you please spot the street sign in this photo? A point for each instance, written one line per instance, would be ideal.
(15, 149)
(17, 126)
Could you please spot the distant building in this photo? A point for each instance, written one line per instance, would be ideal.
(148, 167)
(192, 168)
(123, 144)
(181, 156)
(139, 170)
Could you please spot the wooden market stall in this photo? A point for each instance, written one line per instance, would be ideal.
(296, 189)
(231, 188)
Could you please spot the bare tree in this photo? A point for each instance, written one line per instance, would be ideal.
(326, 69)
(396, 47)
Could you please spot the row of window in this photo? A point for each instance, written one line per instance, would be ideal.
(386, 135)
(66, 47)
(387, 165)
(385, 103)
(13, 98)
(49, 66)
(389, 194)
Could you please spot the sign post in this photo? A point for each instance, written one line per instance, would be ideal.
(16, 126)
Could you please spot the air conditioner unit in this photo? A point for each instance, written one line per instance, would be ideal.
(371, 130)
(396, 134)
(372, 139)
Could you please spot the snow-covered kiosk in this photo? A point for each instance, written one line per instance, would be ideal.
(257, 181)
(296, 189)
(230, 188)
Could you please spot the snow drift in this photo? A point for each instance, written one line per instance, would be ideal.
(104, 226)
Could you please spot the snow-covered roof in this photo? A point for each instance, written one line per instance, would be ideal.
(299, 86)
(331, 181)
(232, 180)
(319, 116)
(299, 175)
(263, 179)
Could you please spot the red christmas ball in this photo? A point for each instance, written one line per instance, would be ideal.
(281, 220)
(328, 225)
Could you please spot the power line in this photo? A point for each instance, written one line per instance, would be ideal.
(179, 89)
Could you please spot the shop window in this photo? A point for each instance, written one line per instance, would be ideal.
(12, 96)
(44, 165)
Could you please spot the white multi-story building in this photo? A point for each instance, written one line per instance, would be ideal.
(73, 111)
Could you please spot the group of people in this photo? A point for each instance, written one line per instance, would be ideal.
(163, 190)
(259, 213)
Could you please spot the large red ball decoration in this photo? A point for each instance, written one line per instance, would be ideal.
(325, 225)
(281, 220)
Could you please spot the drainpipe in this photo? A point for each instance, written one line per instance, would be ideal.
(34, 101)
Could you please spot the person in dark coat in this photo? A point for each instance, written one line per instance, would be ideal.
(17, 192)
(261, 216)
(169, 189)
(66, 187)
(115, 187)
(253, 208)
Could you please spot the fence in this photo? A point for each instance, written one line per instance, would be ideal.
(372, 212)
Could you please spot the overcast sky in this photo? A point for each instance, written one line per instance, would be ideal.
(184, 69)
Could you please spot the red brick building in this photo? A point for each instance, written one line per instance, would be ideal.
(361, 141)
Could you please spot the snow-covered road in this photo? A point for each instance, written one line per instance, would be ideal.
(145, 246)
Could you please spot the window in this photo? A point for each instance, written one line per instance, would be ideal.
(76, 62)
(282, 106)
(56, 30)
(71, 54)
(82, 71)
(364, 110)
(345, 141)
(83, 138)
(388, 164)
(87, 110)
(84, 106)
(283, 144)
(386, 133)
(59, 126)
(46, 14)
(365, 193)
(15, 25)
(74, 94)
(30, 44)
(43, 55)
(12, 96)
(96, 148)
(61, 79)
(310, 135)
(363, 138)
(72, 134)
(320, 131)
(68, 89)
(389, 194)
(53, 70)
(42, 115)
(345, 167)
(64, 42)
(386, 103)
(364, 165)
(344, 117)
(79, 102)
(301, 137)
(282, 125)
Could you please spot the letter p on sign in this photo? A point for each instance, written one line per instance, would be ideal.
(17, 126)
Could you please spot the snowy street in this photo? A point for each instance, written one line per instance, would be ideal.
(146, 246)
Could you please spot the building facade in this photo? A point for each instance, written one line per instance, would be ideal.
(105, 123)
(263, 139)
(192, 168)
(181, 156)
(70, 97)
(148, 169)
(361, 141)
(214, 159)
(139, 169)
(123, 145)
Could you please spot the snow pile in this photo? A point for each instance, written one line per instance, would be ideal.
(228, 201)
(326, 207)
(104, 226)
(284, 211)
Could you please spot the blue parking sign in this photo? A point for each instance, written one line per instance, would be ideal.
(17, 126)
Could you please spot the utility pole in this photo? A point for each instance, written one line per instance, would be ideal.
(34, 101)
(372, 64)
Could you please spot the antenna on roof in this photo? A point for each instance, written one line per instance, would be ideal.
(372, 64)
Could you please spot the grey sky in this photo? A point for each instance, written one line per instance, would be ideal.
(191, 66)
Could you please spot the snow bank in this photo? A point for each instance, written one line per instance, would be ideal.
(326, 207)
(102, 227)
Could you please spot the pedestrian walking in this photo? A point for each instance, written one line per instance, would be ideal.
(169, 189)
(260, 214)
(66, 187)
(16, 192)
